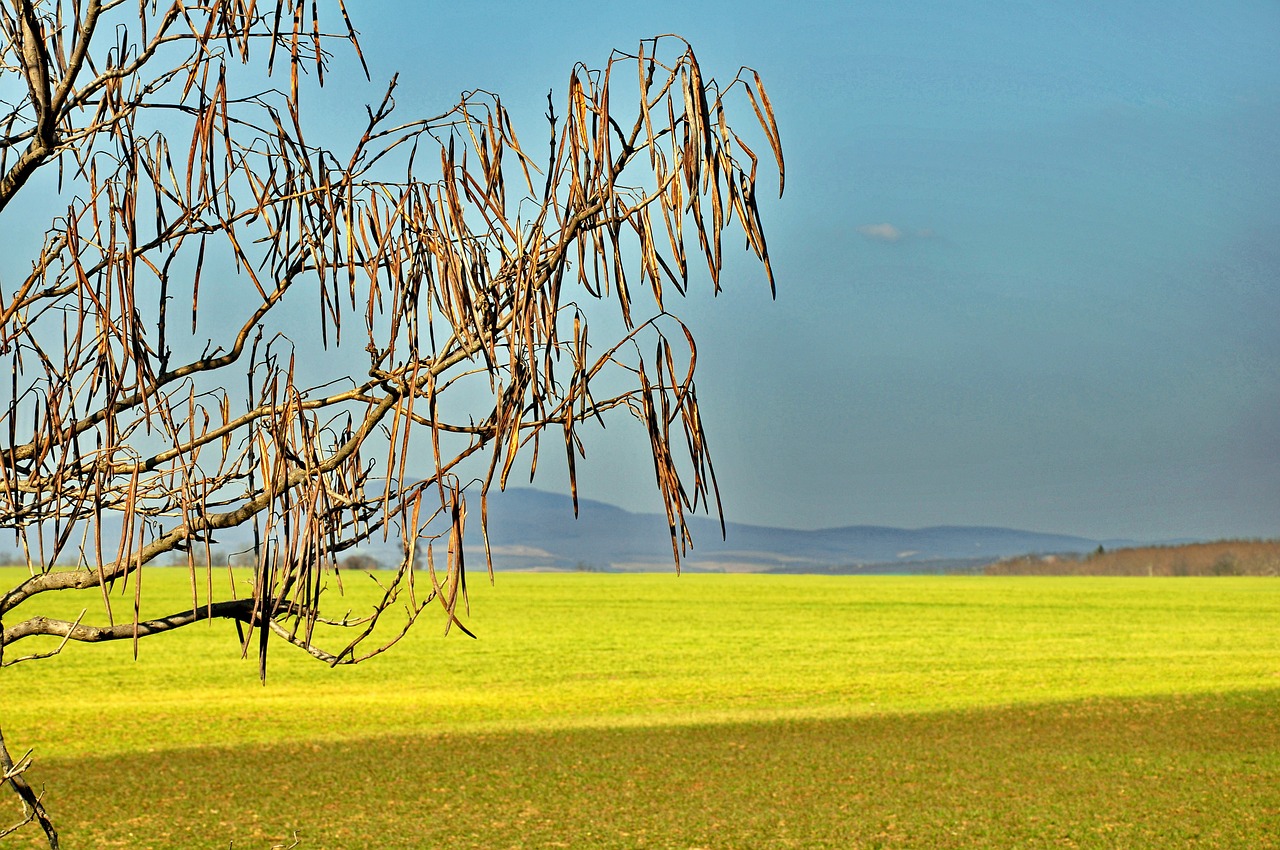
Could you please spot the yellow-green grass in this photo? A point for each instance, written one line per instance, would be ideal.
(567, 651)
(716, 711)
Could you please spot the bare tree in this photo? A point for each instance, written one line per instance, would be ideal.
(165, 389)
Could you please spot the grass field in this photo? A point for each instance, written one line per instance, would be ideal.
(700, 711)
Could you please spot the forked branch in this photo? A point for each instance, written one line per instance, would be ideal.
(32, 803)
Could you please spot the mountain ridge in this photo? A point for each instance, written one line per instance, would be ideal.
(536, 529)
(531, 529)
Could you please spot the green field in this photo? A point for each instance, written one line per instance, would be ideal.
(699, 711)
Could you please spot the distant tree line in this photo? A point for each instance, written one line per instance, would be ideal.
(1217, 558)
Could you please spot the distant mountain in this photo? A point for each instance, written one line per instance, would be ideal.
(534, 529)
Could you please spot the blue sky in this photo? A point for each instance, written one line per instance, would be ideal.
(1028, 257)
(1028, 260)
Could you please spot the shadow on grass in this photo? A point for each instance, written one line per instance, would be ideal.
(1179, 772)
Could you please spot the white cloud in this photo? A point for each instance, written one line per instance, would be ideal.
(881, 232)
(886, 232)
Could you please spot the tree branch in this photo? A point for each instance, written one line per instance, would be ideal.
(31, 802)
(232, 609)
